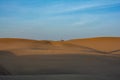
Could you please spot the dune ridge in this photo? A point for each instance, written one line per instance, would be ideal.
(95, 57)
(100, 45)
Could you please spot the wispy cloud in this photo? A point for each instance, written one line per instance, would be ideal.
(60, 7)
(71, 18)
(64, 7)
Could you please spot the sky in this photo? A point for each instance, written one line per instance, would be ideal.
(59, 19)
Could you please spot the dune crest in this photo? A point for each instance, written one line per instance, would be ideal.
(101, 45)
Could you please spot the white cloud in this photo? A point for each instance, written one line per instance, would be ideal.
(62, 8)
(59, 7)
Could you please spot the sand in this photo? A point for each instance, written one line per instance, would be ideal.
(92, 58)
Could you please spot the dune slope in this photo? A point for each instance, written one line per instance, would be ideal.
(103, 45)
(89, 57)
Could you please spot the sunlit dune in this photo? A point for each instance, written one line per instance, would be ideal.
(14, 43)
(103, 45)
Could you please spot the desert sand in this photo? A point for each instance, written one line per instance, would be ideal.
(92, 58)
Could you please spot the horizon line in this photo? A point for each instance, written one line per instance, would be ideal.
(59, 39)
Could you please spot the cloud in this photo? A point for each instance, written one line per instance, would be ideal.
(57, 8)
(64, 7)
(96, 20)
(49, 19)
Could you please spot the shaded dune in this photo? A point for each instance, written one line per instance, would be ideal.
(3, 71)
(6, 53)
(63, 64)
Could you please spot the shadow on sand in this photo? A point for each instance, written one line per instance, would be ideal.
(59, 64)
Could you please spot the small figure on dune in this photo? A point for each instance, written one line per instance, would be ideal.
(62, 40)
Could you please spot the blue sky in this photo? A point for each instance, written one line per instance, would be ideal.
(59, 19)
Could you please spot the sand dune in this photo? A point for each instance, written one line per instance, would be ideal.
(89, 57)
(3, 71)
(103, 45)
(14, 43)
